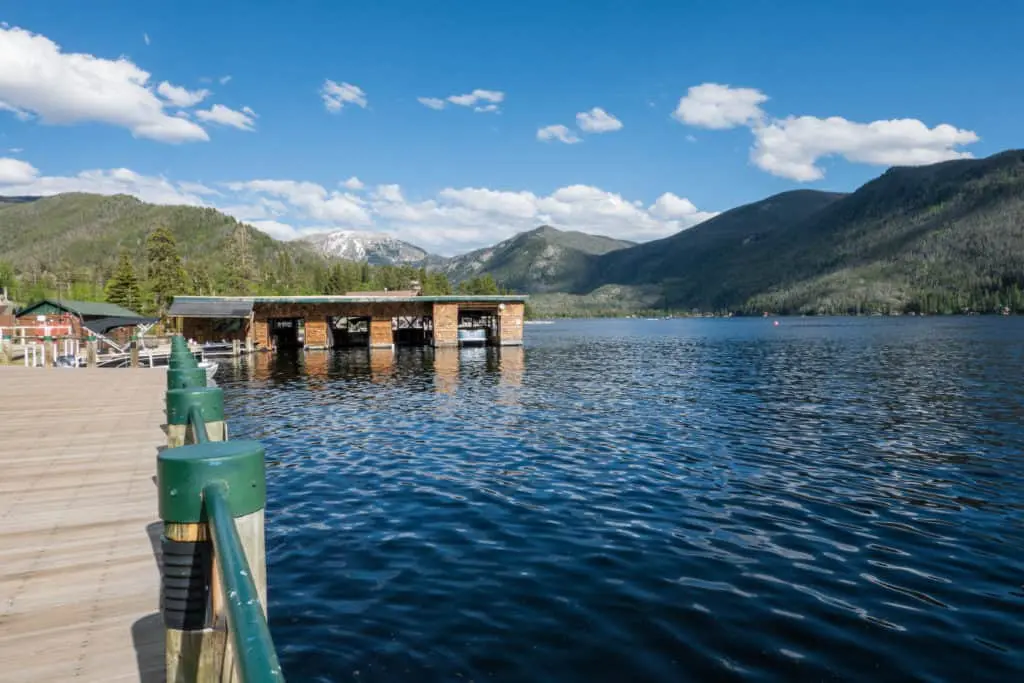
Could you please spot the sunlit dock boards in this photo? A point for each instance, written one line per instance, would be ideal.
(79, 573)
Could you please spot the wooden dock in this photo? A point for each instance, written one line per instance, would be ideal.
(79, 530)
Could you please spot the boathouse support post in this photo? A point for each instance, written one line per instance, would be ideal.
(90, 352)
(212, 498)
(133, 352)
(8, 349)
(182, 428)
(381, 333)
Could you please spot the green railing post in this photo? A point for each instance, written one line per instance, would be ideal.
(195, 414)
(184, 378)
(214, 595)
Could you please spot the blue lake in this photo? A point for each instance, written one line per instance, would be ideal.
(633, 500)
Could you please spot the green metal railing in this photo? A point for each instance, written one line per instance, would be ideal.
(254, 649)
(212, 498)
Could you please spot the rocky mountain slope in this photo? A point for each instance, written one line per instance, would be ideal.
(375, 248)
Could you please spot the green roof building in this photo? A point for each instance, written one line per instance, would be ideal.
(86, 310)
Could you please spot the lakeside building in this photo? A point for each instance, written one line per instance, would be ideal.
(370, 319)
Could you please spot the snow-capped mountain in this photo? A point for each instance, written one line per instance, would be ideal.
(375, 248)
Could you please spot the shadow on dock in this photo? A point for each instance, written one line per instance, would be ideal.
(148, 632)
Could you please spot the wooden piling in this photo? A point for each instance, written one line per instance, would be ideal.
(90, 352)
(212, 499)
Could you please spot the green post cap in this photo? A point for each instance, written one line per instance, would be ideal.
(180, 378)
(209, 400)
(182, 474)
(47, 338)
(91, 337)
(182, 360)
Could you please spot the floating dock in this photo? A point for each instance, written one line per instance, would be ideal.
(375, 321)
(79, 531)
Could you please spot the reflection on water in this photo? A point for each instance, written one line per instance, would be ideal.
(649, 500)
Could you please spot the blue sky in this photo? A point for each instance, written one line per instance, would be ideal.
(716, 104)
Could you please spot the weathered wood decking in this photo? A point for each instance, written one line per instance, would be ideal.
(79, 531)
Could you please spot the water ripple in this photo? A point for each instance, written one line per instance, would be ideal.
(649, 500)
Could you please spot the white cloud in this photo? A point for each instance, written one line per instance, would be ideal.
(482, 101)
(223, 80)
(16, 172)
(37, 78)
(181, 97)
(311, 200)
(557, 132)
(16, 150)
(712, 105)
(145, 38)
(470, 99)
(218, 113)
(431, 102)
(597, 120)
(793, 146)
(353, 183)
(112, 181)
(337, 95)
(196, 188)
(452, 221)
(389, 193)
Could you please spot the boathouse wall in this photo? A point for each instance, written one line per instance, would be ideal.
(441, 316)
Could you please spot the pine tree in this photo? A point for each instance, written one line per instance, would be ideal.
(166, 276)
(241, 273)
(123, 287)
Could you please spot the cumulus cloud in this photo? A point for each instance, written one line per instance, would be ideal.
(16, 172)
(460, 219)
(793, 147)
(109, 182)
(38, 79)
(716, 106)
(431, 102)
(223, 80)
(353, 183)
(557, 132)
(454, 220)
(181, 97)
(597, 120)
(225, 116)
(337, 95)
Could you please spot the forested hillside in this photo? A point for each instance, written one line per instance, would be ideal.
(942, 238)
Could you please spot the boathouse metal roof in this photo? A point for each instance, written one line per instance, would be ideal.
(241, 306)
(83, 309)
(210, 307)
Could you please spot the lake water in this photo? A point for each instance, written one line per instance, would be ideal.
(632, 500)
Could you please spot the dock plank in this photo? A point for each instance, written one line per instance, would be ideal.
(79, 553)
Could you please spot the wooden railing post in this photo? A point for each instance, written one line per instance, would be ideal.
(196, 606)
(90, 352)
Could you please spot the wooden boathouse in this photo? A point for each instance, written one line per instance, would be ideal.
(367, 319)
